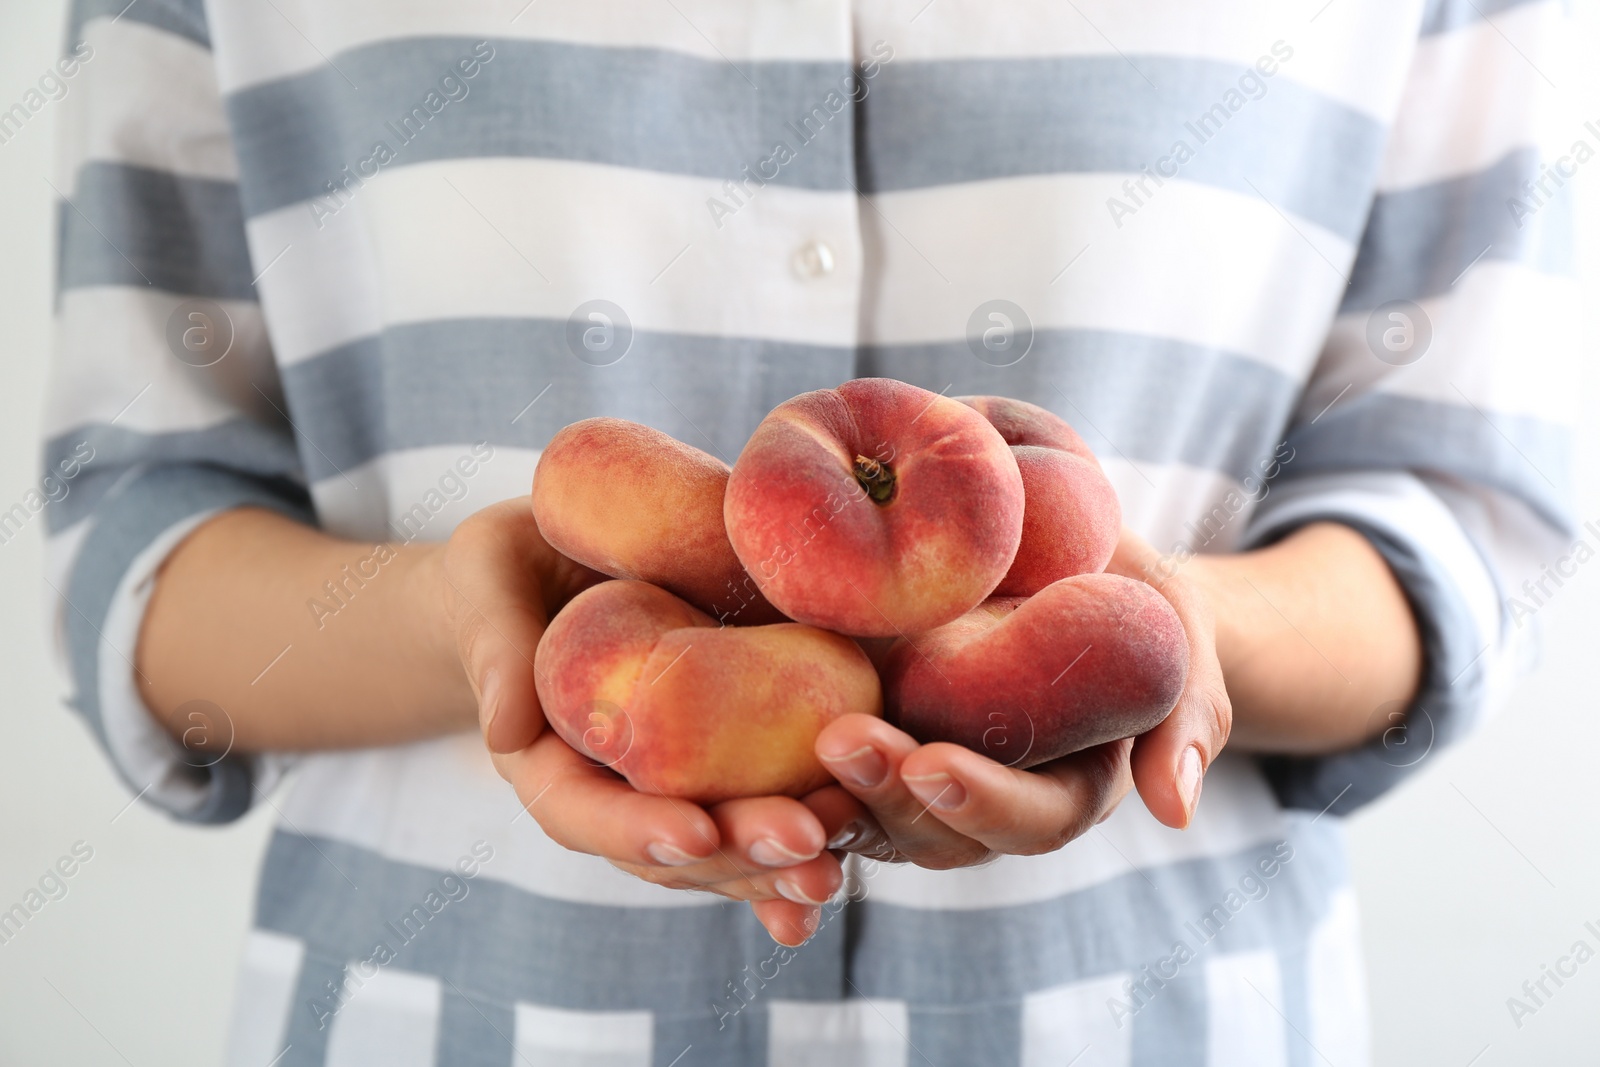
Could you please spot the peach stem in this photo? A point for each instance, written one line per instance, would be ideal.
(876, 478)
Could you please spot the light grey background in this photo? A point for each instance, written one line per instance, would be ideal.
(1473, 876)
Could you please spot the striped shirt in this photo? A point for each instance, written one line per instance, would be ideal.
(356, 262)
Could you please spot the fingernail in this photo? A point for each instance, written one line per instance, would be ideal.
(791, 892)
(865, 768)
(937, 791)
(669, 855)
(848, 834)
(1191, 775)
(490, 701)
(770, 853)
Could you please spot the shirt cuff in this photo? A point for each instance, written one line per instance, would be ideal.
(109, 575)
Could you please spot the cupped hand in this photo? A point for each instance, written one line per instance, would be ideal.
(941, 805)
(769, 851)
(500, 584)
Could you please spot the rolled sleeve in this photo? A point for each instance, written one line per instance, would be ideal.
(109, 586)
(1427, 423)
(147, 435)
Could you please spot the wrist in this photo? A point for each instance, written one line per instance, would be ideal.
(426, 602)
(1234, 609)
(1313, 633)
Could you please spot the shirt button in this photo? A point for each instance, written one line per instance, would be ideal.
(813, 259)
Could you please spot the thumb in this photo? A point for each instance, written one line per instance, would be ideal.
(1169, 762)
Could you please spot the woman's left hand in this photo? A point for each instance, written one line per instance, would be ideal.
(941, 805)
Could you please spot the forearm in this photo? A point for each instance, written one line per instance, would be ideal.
(235, 620)
(1315, 635)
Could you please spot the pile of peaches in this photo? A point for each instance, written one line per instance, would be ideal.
(876, 549)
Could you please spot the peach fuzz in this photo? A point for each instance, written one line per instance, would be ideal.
(632, 502)
(1071, 517)
(655, 689)
(875, 509)
(1088, 659)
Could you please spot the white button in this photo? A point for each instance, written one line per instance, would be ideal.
(813, 260)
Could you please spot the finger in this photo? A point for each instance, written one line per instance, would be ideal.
(755, 848)
(865, 755)
(809, 884)
(1170, 761)
(1017, 812)
(586, 808)
(774, 847)
(492, 570)
(850, 824)
(812, 883)
(788, 923)
(765, 833)
(844, 819)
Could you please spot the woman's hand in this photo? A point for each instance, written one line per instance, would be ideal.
(941, 805)
(500, 584)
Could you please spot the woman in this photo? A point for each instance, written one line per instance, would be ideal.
(332, 275)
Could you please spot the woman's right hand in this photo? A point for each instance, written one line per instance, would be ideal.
(500, 583)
